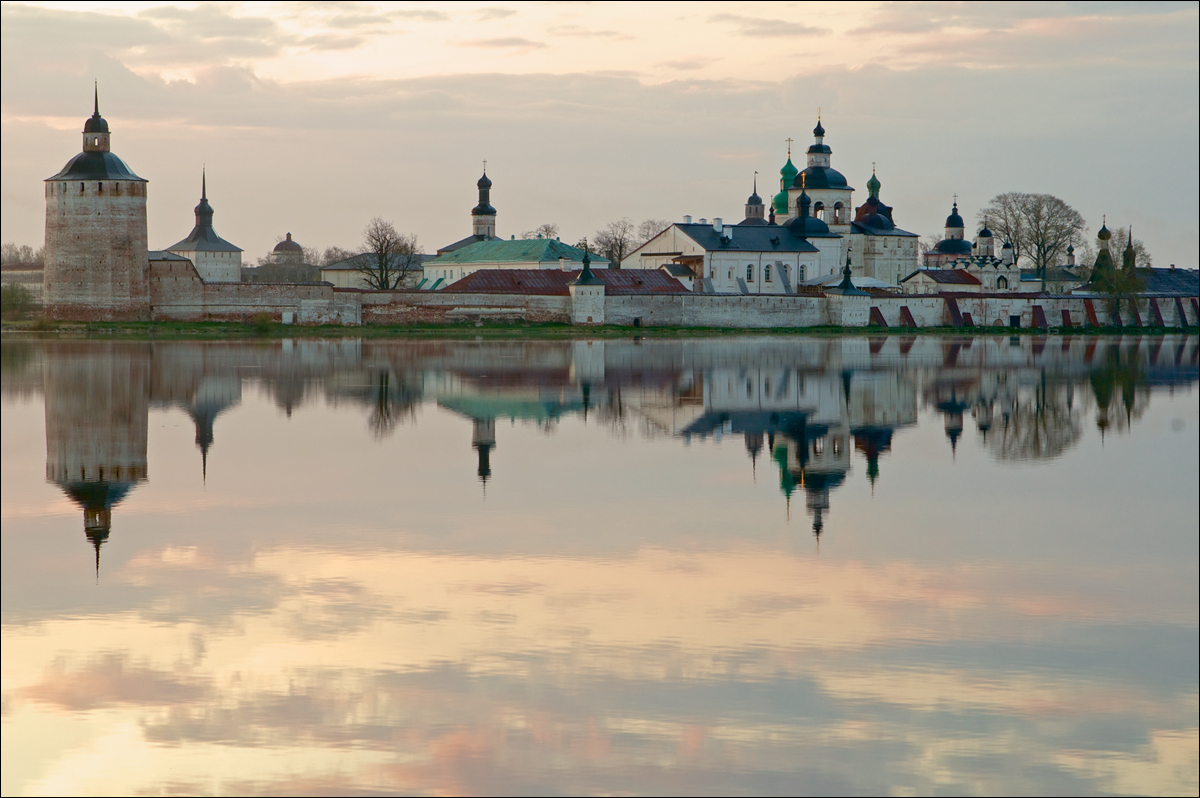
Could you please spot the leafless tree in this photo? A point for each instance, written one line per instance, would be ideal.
(929, 243)
(387, 256)
(1118, 242)
(334, 255)
(23, 253)
(1040, 227)
(649, 229)
(615, 241)
(312, 256)
(547, 230)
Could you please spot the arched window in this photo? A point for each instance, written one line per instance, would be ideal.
(818, 210)
(838, 213)
(749, 272)
(1002, 282)
(767, 273)
(801, 278)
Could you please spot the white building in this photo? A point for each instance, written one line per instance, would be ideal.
(805, 240)
(215, 259)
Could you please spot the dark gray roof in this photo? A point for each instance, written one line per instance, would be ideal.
(351, 263)
(1053, 275)
(755, 238)
(1178, 282)
(871, 230)
(466, 242)
(96, 166)
(162, 254)
(203, 237)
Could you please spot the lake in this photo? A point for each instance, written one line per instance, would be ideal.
(737, 565)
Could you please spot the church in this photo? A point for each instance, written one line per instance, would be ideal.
(215, 259)
(805, 241)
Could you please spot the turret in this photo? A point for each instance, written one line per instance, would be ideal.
(985, 242)
(955, 227)
(483, 215)
(755, 210)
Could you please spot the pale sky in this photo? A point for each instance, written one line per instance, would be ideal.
(314, 117)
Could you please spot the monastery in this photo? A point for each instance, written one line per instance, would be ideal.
(805, 261)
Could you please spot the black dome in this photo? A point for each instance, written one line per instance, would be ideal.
(818, 130)
(985, 233)
(954, 220)
(954, 246)
(808, 226)
(288, 245)
(95, 124)
(820, 177)
(484, 182)
(754, 199)
(96, 166)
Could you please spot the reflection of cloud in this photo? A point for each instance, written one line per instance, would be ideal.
(110, 679)
(767, 28)
(503, 42)
(420, 14)
(687, 63)
(493, 12)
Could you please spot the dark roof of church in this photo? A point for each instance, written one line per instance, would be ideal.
(820, 177)
(946, 276)
(866, 228)
(1180, 282)
(752, 238)
(553, 282)
(953, 246)
(96, 166)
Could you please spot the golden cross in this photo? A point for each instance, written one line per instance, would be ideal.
(789, 143)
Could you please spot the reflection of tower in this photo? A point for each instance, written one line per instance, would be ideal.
(816, 458)
(213, 395)
(97, 416)
(483, 440)
(872, 442)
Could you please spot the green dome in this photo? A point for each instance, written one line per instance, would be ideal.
(788, 173)
(780, 203)
(873, 186)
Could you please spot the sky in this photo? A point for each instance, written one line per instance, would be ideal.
(312, 118)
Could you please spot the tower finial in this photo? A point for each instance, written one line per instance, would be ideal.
(755, 181)
(203, 182)
(96, 90)
(789, 143)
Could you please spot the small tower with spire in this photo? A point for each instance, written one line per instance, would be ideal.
(587, 294)
(483, 215)
(216, 260)
(755, 210)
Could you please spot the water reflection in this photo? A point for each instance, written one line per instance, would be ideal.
(627, 616)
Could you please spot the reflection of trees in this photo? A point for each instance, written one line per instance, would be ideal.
(1120, 396)
(1040, 426)
(392, 400)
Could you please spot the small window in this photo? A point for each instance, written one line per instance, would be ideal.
(802, 270)
(1002, 282)
(767, 273)
(819, 446)
(837, 446)
(749, 274)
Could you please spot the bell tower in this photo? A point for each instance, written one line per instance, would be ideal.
(483, 215)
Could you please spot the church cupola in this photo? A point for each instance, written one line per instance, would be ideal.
(955, 228)
(95, 129)
(204, 211)
(873, 185)
(985, 242)
(755, 210)
(483, 215)
(819, 152)
(787, 176)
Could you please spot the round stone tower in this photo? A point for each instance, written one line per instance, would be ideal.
(96, 254)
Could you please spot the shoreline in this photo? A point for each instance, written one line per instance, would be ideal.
(510, 330)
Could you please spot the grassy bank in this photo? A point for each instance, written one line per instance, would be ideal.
(488, 330)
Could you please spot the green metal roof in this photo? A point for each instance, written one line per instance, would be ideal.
(525, 250)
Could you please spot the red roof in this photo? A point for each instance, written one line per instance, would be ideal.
(947, 276)
(552, 282)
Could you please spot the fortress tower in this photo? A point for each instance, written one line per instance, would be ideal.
(96, 255)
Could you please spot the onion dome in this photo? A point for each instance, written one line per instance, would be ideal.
(1007, 245)
(780, 203)
(818, 130)
(789, 172)
(288, 245)
(1105, 234)
(821, 177)
(484, 182)
(873, 185)
(954, 220)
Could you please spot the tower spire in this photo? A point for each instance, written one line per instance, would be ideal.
(203, 182)
(96, 90)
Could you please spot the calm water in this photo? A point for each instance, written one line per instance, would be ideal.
(756, 565)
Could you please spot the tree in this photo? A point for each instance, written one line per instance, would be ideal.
(335, 255)
(547, 230)
(929, 243)
(387, 256)
(1040, 227)
(615, 241)
(649, 229)
(24, 254)
(1118, 242)
(312, 256)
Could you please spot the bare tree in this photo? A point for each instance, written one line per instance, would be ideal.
(1040, 227)
(334, 255)
(649, 228)
(25, 254)
(929, 243)
(387, 255)
(312, 256)
(1118, 242)
(547, 230)
(615, 241)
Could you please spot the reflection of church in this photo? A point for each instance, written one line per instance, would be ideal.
(97, 416)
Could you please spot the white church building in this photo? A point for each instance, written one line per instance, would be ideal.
(215, 259)
(805, 240)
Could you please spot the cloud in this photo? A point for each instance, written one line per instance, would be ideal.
(111, 679)
(687, 64)
(516, 42)
(582, 32)
(329, 41)
(493, 12)
(357, 20)
(421, 15)
(768, 28)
